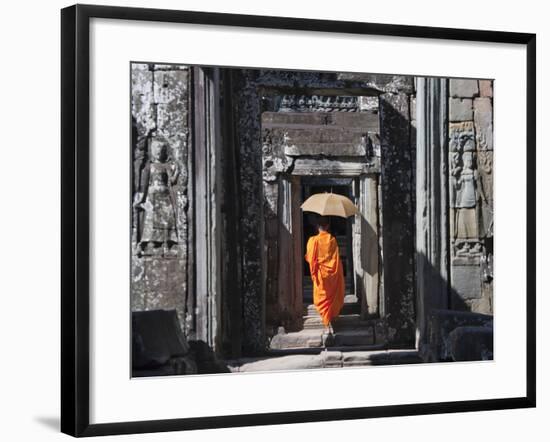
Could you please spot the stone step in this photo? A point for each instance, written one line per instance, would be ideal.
(316, 350)
(329, 358)
(347, 309)
(315, 338)
(340, 322)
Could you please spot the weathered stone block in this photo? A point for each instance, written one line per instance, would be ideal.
(368, 103)
(284, 119)
(172, 121)
(459, 134)
(366, 121)
(443, 322)
(471, 343)
(466, 281)
(322, 135)
(464, 88)
(358, 337)
(170, 85)
(158, 344)
(143, 109)
(170, 67)
(460, 109)
(483, 118)
(485, 88)
(381, 82)
(466, 223)
(300, 339)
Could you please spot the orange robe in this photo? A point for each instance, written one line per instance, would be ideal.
(327, 274)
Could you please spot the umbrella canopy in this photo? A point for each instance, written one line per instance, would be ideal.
(330, 204)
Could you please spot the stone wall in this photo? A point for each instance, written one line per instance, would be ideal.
(163, 206)
(160, 227)
(471, 194)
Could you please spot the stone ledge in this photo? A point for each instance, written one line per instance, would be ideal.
(325, 359)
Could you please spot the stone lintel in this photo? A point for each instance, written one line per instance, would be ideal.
(316, 167)
(349, 120)
(327, 149)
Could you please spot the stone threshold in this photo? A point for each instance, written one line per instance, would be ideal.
(328, 358)
(318, 350)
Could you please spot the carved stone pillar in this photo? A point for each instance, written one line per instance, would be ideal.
(207, 173)
(432, 206)
(366, 264)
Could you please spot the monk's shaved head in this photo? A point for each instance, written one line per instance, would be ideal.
(323, 222)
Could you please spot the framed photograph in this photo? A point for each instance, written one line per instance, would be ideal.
(272, 220)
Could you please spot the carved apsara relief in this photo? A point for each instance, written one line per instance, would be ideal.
(471, 184)
(155, 198)
(464, 189)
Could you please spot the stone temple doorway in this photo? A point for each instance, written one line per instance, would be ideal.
(307, 151)
(341, 228)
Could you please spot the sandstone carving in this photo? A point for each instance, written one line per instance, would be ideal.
(316, 103)
(159, 231)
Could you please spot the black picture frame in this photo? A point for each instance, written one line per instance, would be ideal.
(75, 213)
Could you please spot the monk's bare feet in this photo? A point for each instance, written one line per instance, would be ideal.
(328, 337)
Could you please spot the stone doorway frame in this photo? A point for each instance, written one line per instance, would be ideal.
(249, 92)
(283, 231)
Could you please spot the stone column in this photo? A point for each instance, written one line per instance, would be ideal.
(207, 173)
(366, 262)
(248, 138)
(432, 206)
(397, 156)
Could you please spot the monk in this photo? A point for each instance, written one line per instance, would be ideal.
(326, 272)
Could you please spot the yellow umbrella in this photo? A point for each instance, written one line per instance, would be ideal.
(330, 204)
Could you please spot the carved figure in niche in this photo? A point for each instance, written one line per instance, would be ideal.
(159, 232)
(467, 183)
(464, 196)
